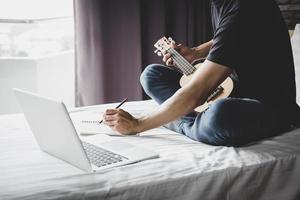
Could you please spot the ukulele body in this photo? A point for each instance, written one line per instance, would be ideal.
(227, 86)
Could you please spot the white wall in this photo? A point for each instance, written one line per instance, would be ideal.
(51, 76)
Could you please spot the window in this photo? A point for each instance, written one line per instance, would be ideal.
(35, 28)
(36, 50)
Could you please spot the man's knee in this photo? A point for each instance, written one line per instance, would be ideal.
(218, 115)
(149, 76)
(215, 124)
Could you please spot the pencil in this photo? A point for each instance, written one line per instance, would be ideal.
(118, 106)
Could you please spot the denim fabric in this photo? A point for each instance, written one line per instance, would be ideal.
(227, 122)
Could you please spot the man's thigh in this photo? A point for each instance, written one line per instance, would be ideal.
(234, 122)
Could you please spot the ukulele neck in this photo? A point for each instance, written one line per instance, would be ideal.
(186, 67)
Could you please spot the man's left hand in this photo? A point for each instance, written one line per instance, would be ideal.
(121, 121)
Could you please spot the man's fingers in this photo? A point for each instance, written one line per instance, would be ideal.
(123, 113)
(110, 111)
(109, 117)
(170, 62)
(114, 115)
(111, 123)
(166, 57)
(177, 46)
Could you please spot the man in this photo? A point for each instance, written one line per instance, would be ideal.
(251, 44)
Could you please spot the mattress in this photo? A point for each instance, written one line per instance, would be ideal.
(185, 169)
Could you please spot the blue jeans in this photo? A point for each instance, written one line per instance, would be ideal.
(227, 122)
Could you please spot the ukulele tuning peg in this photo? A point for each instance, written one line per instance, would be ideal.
(171, 40)
(158, 52)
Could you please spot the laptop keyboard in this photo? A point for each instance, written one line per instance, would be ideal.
(101, 157)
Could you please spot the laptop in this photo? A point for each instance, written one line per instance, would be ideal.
(55, 134)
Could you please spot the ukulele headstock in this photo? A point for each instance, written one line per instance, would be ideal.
(162, 45)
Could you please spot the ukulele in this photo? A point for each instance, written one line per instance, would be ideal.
(222, 91)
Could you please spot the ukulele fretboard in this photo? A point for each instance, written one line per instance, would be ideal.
(186, 67)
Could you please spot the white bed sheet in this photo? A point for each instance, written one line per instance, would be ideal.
(185, 169)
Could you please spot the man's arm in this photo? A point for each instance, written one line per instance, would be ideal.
(203, 49)
(204, 81)
(195, 93)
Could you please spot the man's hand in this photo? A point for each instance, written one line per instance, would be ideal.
(190, 54)
(121, 121)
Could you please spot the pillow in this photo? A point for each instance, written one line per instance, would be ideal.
(295, 40)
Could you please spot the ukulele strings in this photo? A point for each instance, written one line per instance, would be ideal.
(189, 69)
(186, 63)
(179, 62)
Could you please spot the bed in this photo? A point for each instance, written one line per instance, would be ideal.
(185, 169)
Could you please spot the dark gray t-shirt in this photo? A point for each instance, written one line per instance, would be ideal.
(251, 37)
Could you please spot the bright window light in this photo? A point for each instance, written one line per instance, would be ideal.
(35, 28)
(35, 9)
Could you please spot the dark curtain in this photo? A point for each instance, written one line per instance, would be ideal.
(114, 42)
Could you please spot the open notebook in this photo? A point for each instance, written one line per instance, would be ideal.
(87, 123)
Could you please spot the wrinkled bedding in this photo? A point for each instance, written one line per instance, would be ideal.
(185, 169)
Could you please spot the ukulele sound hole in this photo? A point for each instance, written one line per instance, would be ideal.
(215, 93)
